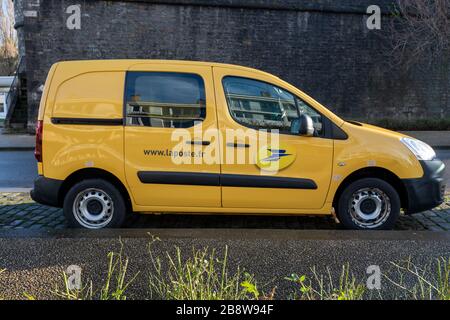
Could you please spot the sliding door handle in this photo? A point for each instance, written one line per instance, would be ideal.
(238, 145)
(200, 143)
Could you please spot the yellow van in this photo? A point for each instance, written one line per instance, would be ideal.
(152, 136)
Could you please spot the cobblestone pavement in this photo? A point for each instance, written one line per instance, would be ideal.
(18, 211)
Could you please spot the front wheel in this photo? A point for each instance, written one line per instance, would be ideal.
(369, 203)
(94, 204)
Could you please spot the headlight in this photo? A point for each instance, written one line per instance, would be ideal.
(421, 150)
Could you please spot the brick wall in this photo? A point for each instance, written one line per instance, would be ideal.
(322, 46)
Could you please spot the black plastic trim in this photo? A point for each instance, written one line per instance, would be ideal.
(246, 181)
(89, 121)
(199, 143)
(355, 123)
(238, 145)
(338, 133)
(187, 178)
(46, 191)
(426, 192)
(224, 180)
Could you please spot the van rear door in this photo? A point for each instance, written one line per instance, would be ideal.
(167, 110)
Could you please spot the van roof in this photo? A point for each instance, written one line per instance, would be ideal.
(69, 69)
(126, 63)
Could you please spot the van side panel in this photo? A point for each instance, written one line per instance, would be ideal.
(92, 95)
(70, 146)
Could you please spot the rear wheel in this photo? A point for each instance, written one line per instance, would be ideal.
(94, 204)
(369, 203)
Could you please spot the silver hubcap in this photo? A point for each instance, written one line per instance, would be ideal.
(93, 208)
(369, 207)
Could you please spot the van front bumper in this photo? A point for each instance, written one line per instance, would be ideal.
(427, 192)
(46, 191)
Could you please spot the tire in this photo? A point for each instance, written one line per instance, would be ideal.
(99, 205)
(369, 204)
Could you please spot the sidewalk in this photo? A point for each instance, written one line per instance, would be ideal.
(16, 142)
(12, 142)
(436, 139)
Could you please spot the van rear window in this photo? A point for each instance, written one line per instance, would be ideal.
(164, 99)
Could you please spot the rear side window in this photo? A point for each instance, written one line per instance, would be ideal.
(164, 99)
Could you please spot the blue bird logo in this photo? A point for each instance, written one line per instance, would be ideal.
(276, 155)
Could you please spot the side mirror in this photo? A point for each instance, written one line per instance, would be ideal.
(303, 126)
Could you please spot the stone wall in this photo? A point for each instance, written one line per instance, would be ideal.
(322, 46)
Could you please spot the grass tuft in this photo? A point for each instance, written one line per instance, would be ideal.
(205, 275)
(114, 287)
(431, 282)
(324, 287)
(202, 276)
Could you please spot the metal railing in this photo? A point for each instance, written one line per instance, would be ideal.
(14, 92)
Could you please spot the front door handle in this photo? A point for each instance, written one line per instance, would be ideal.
(238, 145)
(200, 143)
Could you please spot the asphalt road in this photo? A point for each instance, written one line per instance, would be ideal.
(35, 262)
(18, 168)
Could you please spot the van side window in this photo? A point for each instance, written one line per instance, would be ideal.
(260, 105)
(164, 99)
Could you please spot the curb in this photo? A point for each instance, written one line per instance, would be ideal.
(227, 234)
(16, 149)
(15, 190)
(438, 140)
(441, 147)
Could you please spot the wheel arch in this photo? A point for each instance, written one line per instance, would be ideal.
(374, 172)
(93, 173)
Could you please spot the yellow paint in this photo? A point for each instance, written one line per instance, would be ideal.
(95, 89)
(39, 167)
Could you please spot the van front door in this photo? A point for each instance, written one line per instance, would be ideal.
(294, 172)
(165, 104)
